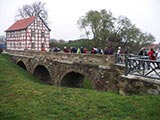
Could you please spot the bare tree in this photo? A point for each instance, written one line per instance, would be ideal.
(35, 9)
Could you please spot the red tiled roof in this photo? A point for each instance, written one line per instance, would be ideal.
(21, 24)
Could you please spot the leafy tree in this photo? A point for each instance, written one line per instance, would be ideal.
(129, 36)
(142, 40)
(109, 31)
(96, 24)
(123, 32)
(35, 9)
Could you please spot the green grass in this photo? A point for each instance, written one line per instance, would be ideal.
(87, 84)
(23, 97)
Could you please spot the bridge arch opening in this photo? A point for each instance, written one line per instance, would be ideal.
(73, 80)
(42, 74)
(22, 65)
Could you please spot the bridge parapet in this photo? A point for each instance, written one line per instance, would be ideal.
(68, 57)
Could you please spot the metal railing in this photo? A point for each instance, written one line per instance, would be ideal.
(142, 66)
(120, 58)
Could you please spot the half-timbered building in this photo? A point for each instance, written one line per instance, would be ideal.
(28, 34)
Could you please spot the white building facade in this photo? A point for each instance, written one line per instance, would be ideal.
(28, 34)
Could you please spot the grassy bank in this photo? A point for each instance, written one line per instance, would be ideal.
(24, 97)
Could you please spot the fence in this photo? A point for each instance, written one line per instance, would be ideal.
(139, 65)
(120, 58)
(142, 66)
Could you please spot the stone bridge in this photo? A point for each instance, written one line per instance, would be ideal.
(65, 69)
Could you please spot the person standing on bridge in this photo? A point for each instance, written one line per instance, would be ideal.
(152, 54)
(78, 50)
(143, 52)
(119, 56)
(66, 50)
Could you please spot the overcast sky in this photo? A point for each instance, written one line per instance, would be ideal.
(64, 14)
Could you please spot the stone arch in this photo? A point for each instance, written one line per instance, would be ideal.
(22, 65)
(73, 79)
(42, 73)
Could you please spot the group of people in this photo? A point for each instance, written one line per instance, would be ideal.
(75, 50)
(95, 50)
(152, 54)
(143, 54)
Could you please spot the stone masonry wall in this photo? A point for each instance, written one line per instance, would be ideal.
(100, 69)
(132, 84)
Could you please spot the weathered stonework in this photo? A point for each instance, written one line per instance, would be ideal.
(132, 84)
(61, 68)
(99, 69)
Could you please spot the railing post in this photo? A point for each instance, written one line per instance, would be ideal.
(116, 58)
(126, 64)
(143, 65)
